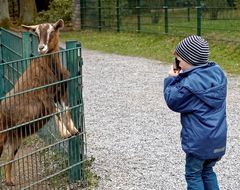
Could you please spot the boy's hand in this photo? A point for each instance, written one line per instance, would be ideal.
(173, 72)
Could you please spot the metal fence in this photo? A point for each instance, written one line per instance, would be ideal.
(44, 160)
(14, 47)
(217, 20)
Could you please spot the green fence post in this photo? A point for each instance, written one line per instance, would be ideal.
(199, 12)
(118, 15)
(82, 13)
(99, 15)
(138, 9)
(80, 112)
(165, 7)
(74, 148)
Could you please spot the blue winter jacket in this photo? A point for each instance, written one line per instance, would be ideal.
(199, 95)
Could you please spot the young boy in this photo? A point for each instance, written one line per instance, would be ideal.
(198, 92)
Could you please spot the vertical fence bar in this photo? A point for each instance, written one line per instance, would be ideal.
(199, 12)
(26, 45)
(26, 49)
(1, 57)
(118, 15)
(74, 96)
(99, 15)
(165, 7)
(1, 69)
(82, 13)
(1, 81)
(138, 10)
(188, 13)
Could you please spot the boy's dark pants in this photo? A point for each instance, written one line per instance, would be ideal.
(199, 174)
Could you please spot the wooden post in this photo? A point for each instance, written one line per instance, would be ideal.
(76, 15)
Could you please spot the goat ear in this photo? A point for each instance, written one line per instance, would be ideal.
(33, 27)
(59, 24)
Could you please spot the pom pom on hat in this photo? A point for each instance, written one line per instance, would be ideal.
(194, 50)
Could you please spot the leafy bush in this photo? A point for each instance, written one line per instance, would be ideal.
(57, 9)
(238, 4)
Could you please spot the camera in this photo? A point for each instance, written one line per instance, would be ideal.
(176, 66)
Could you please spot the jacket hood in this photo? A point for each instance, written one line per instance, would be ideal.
(214, 97)
(211, 85)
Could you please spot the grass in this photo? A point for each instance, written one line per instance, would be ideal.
(153, 46)
(149, 46)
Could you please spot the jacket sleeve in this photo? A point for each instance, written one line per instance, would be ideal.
(178, 98)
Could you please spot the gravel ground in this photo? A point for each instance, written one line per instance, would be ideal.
(133, 135)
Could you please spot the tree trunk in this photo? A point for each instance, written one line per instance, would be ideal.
(28, 11)
(76, 14)
(4, 12)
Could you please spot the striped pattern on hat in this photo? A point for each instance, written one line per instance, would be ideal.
(194, 50)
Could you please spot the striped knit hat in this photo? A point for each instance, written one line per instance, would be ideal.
(194, 50)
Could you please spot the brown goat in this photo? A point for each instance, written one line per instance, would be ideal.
(25, 111)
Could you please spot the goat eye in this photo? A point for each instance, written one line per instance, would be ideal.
(51, 34)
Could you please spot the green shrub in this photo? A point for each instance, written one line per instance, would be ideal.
(57, 9)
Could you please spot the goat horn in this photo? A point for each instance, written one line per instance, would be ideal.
(33, 27)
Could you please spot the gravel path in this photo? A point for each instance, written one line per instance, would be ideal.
(132, 134)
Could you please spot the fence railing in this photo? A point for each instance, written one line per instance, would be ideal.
(217, 20)
(48, 162)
